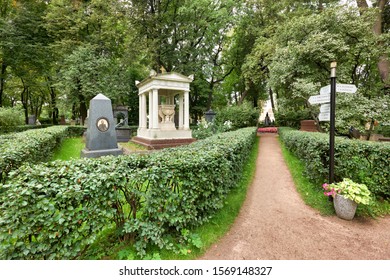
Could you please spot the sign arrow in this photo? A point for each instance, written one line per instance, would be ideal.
(325, 108)
(347, 88)
(324, 117)
(319, 99)
(325, 90)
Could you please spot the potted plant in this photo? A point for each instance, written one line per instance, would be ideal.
(346, 196)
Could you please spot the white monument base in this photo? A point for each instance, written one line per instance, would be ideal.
(164, 134)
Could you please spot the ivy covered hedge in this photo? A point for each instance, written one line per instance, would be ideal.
(55, 210)
(362, 161)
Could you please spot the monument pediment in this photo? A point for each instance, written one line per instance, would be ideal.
(165, 79)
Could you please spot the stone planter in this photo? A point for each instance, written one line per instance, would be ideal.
(345, 208)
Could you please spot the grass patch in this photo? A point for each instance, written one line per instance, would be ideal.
(311, 193)
(207, 234)
(133, 147)
(70, 149)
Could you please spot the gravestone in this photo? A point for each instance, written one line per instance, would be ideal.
(32, 119)
(100, 136)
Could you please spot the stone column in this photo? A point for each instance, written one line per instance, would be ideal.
(155, 109)
(186, 110)
(140, 111)
(150, 109)
(143, 112)
(181, 119)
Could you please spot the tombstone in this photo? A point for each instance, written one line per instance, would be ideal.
(32, 119)
(121, 115)
(62, 120)
(100, 136)
(210, 115)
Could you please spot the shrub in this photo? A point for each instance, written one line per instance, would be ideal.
(28, 146)
(239, 115)
(206, 129)
(21, 128)
(76, 131)
(292, 118)
(54, 210)
(11, 116)
(362, 161)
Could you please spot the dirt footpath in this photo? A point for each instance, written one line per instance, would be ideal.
(275, 224)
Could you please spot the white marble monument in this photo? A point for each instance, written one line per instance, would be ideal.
(161, 96)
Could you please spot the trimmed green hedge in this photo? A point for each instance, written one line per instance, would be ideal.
(32, 146)
(55, 210)
(362, 161)
(21, 128)
(28, 146)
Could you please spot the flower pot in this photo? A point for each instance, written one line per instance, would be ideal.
(345, 208)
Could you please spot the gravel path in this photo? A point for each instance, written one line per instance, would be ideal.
(275, 224)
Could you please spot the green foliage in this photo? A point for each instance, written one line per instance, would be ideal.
(291, 118)
(362, 161)
(353, 191)
(356, 110)
(54, 218)
(30, 146)
(75, 131)
(12, 116)
(21, 128)
(154, 199)
(239, 115)
(206, 129)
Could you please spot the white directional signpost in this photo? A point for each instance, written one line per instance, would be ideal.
(347, 88)
(327, 99)
(324, 99)
(319, 99)
(325, 108)
(324, 117)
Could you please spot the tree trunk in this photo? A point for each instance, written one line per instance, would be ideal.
(383, 63)
(210, 95)
(83, 109)
(2, 81)
(53, 102)
(24, 99)
(271, 97)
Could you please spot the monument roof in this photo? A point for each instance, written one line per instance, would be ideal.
(167, 76)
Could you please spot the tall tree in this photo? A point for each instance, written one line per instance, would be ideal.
(187, 36)
(379, 28)
(95, 48)
(5, 7)
(23, 46)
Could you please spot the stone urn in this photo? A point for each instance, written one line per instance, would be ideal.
(167, 113)
(345, 208)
